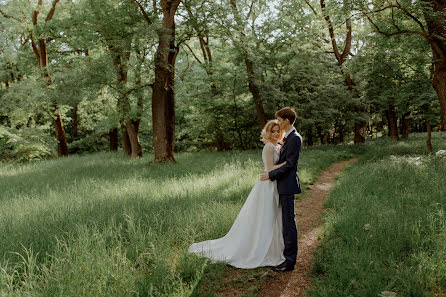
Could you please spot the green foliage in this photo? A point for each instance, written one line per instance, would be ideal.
(26, 144)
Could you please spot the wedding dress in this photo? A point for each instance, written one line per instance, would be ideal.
(255, 239)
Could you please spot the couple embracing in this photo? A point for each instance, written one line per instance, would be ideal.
(264, 232)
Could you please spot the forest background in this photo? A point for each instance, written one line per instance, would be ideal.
(168, 76)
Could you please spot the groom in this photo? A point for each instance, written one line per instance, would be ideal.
(287, 184)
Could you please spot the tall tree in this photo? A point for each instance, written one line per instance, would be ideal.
(341, 57)
(39, 45)
(407, 18)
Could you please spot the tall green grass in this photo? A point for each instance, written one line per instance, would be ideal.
(385, 227)
(105, 225)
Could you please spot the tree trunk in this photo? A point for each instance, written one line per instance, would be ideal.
(439, 84)
(429, 132)
(360, 125)
(437, 31)
(320, 134)
(392, 123)
(255, 91)
(309, 136)
(129, 127)
(75, 121)
(132, 132)
(405, 125)
(113, 139)
(442, 124)
(163, 96)
(125, 140)
(62, 149)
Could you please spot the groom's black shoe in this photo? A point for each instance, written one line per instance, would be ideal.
(284, 267)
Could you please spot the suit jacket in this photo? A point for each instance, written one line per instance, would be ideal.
(287, 177)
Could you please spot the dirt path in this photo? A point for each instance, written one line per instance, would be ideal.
(308, 210)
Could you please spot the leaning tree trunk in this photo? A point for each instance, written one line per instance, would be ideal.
(62, 148)
(132, 128)
(163, 96)
(437, 31)
(392, 122)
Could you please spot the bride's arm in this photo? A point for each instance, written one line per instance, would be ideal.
(277, 166)
(269, 156)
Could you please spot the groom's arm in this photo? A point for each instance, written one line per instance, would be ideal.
(292, 156)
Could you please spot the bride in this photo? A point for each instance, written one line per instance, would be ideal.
(255, 239)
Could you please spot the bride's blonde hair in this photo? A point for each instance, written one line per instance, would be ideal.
(265, 135)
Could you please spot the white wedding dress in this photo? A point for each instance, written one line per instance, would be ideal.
(255, 239)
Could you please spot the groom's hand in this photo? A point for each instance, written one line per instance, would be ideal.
(264, 176)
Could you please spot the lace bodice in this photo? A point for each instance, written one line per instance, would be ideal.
(270, 152)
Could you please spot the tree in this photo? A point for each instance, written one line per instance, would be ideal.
(39, 45)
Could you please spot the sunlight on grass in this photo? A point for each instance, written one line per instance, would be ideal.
(385, 226)
(105, 225)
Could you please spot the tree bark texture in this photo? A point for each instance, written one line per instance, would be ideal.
(392, 123)
(125, 141)
(405, 126)
(113, 134)
(437, 39)
(132, 129)
(62, 148)
(163, 96)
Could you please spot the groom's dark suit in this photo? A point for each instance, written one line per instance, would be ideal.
(288, 184)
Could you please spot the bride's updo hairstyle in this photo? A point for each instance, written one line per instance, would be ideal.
(265, 135)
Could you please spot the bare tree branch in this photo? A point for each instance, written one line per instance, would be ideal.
(311, 7)
(195, 56)
(146, 17)
(51, 12)
(331, 32)
(7, 16)
(394, 22)
(36, 12)
(348, 41)
(397, 32)
(34, 47)
(250, 9)
(412, 17)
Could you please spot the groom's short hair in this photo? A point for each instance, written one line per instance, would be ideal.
(287, 113)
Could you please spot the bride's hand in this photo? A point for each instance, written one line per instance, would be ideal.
(264, 176)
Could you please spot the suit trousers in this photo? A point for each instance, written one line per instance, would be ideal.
(289, 228)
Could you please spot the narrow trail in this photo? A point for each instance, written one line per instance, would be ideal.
(308, 211)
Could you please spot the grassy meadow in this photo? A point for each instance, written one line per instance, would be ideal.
(385, 224)
(106, 225)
